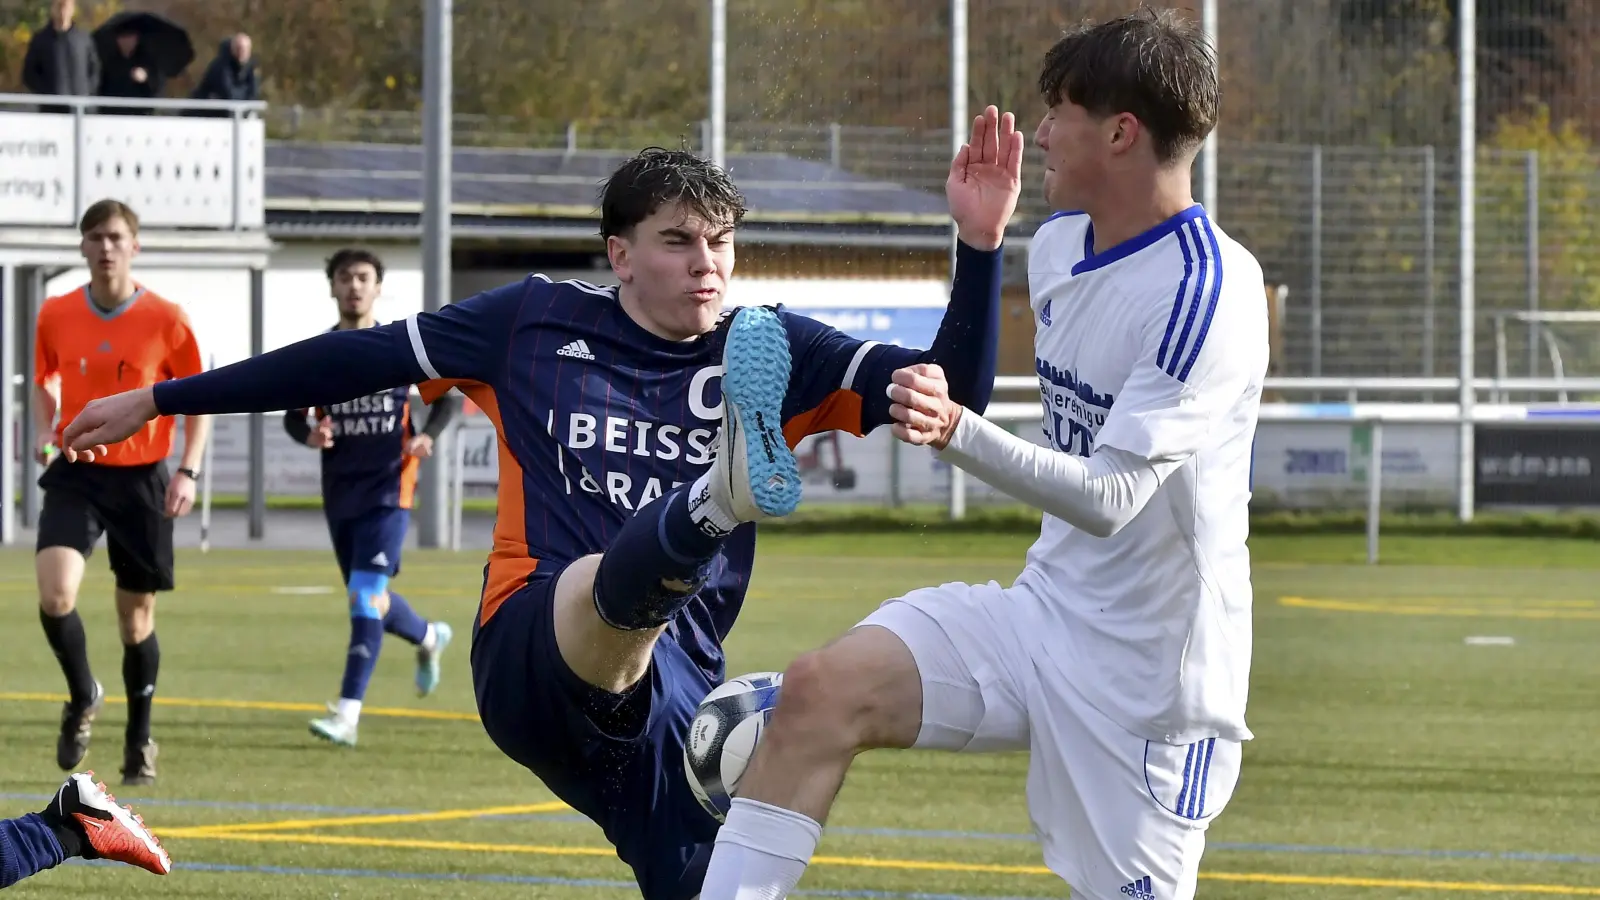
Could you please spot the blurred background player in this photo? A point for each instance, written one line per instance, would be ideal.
(370, 453)
(642, 434)
(111, 335)
(1120, 656)
(82, 820)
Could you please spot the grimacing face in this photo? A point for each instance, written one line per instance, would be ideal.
(678, 266)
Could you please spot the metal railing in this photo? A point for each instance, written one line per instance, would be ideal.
(203, 167)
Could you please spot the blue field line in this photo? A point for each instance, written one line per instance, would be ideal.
(544, 881)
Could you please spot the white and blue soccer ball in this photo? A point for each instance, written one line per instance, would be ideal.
(722, 738)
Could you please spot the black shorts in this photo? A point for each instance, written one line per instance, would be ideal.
(126, 503)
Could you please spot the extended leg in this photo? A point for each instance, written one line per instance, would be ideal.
(899, 680)
(610, 609)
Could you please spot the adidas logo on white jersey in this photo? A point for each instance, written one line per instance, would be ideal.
(1139, 890)
(577, 350)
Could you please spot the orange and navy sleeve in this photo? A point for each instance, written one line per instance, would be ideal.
(45, 365)
(840, 383)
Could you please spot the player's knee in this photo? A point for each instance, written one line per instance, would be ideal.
(57, 600)
(369, 594)
(821, 700)
(862, 691)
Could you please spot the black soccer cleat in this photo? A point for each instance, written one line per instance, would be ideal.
(139, 764)
(76, 724)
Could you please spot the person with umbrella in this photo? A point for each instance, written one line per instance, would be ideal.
(139, 52)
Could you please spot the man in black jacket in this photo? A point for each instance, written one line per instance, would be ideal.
(61, 58)
(232, 74)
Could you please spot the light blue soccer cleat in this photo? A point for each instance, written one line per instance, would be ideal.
(755, 476)
(428, 660)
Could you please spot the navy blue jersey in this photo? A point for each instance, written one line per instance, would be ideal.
(367, 466)
(597, 417)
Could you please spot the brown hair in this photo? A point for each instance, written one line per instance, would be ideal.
(1154, 64)
(104, 211)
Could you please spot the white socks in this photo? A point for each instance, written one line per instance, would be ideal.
(430, 638)
(705, 510)
(761, 852)
(349, 710)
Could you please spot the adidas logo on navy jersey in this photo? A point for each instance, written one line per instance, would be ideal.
(577, 350)
(1139, 890)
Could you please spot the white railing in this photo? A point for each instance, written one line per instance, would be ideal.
(1373, 415)
(202, 168)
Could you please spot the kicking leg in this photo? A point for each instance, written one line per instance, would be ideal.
(81, 820)
(898, 681)
(609, 609)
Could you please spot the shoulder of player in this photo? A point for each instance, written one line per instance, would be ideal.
(1060, 234)
(1201, 267)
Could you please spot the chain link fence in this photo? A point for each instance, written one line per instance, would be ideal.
(1338, 145)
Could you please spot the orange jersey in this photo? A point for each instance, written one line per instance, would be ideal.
(96, 353)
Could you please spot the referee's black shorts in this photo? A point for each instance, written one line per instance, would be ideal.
(126, 504)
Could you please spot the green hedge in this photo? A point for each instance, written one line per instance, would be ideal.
(853, 519)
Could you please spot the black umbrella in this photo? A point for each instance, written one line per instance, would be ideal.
(166, 41)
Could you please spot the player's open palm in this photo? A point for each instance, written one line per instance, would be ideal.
(107, 421)
(986, 179)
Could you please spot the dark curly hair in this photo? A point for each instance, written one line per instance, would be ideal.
(656, 177)
(351, 256)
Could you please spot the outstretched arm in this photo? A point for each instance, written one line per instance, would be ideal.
(466, 340)
(1165, 413)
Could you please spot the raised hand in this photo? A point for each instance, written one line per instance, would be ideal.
(986, 180)
(322, 435)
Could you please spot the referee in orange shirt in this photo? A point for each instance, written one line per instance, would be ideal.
(109, 336)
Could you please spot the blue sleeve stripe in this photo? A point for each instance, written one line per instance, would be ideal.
(1178, 301)
(1195, 301)
(1211, 301)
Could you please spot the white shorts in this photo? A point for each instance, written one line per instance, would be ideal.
(1117, 816)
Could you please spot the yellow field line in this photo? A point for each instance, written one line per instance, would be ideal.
(447, 815)
(375, 819)
(900, 864)
(1420, 609)
(267, 705)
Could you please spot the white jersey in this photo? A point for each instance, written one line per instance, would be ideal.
(1157, 347)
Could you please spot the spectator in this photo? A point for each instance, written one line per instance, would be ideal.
(61, 58)
(131, 73)
(231, 76)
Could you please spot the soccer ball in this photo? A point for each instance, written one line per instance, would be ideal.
(723, 736)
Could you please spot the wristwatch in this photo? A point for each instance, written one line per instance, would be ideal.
(192, 474)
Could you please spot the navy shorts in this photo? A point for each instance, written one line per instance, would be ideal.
(370, 542)
(617, 759)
